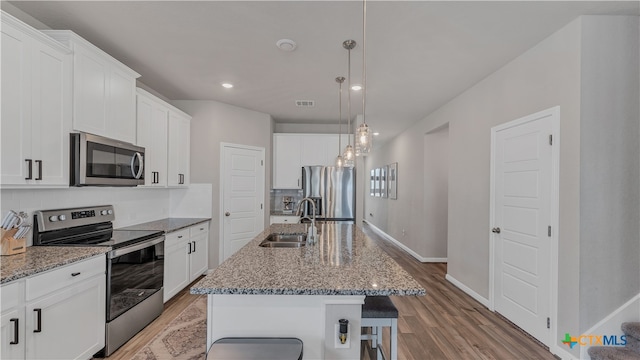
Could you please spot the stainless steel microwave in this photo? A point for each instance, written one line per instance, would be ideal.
(99, 161)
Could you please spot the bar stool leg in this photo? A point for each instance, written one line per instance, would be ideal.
(394, 339)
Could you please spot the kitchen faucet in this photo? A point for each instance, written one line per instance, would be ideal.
(313, 232)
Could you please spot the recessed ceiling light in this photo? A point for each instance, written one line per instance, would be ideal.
(286, 44)
(376, 133)
(227, 85)
(356, 87)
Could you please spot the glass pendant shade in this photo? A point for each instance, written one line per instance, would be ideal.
(349, 156)
(339, 161)
(363, 138)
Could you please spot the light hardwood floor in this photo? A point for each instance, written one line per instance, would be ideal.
(444, 324)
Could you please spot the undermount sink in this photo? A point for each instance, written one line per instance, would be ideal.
(285, 240)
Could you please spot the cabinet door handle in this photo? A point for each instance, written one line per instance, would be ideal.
(180, 237)
(39, 162)
(189, 249)
(16, 332)
(29, 169)
(75, 274)
(156, 177)
(194, 246)
(38, 320)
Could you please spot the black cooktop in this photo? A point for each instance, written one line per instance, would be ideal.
(121, 238)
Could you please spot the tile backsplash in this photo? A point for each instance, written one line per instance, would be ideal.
(131, 205)
(278, 195)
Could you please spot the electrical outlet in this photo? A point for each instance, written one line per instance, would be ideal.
(338, 344)
(404, 232)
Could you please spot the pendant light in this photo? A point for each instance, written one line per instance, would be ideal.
(349, 154)
(363, 133)
(339, 161)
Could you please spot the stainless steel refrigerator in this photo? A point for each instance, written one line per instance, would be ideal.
(333, 192)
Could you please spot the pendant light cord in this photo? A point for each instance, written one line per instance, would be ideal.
(364, 59)
(340, 118)
(349, 97)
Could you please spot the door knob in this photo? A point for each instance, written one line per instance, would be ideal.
(227, 214)
(496, 230)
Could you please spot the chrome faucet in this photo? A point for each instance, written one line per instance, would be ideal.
(313, 232)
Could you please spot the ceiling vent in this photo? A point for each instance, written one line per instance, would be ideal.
(305, 103)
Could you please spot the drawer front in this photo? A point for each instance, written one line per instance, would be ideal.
(59, 278)
(12, 294)
(176, 237)
(284, 219)
(195, 230)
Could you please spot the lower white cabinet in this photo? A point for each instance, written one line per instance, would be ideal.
(12, 324)
(185, 258)
(62, 304)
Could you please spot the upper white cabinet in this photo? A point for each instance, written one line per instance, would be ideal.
(293, 151)
(36, 107)
(165, 132)
(104, 90)
(286, 161)
(153, 125)
(179, 149)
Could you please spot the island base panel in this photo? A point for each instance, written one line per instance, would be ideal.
(310, 318)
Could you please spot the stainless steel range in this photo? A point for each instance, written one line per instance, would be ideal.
(135, 265)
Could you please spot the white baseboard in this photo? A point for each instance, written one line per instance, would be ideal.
(404, 247)
(481, 299)
(610, 325)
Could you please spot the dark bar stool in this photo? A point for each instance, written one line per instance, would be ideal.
(379, 312)
(256, 349)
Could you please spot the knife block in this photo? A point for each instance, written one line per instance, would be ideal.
(9, 245)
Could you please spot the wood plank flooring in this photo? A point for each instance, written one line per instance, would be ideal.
(444, 324)
(447, 323)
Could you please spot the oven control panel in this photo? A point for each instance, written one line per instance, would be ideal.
(66, 218)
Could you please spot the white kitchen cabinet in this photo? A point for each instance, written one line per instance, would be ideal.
(12, 321)
(176, 263)
(61, 304)
(287, 173)
(152, 134)
(199, 257)
(293, 151)
(36, 107)
(104, 90)
(179, 149)
(284, 219)
(186, 258)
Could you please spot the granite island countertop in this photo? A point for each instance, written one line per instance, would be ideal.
(343, 262)
(167, 225)
(38, 259)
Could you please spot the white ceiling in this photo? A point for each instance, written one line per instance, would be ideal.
(420, 54)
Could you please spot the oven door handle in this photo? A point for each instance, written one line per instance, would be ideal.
(135, 247)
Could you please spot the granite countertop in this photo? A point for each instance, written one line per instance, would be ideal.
(38, 259)
(343, 262)
(167, 225)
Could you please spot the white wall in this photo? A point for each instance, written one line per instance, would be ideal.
(215, 122)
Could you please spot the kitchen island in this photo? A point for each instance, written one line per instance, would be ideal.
(302, 292)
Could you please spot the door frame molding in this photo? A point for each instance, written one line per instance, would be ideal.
(224, 145)
(554, 112)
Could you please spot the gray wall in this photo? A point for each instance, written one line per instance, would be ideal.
(212, 123)
(609, 173)
(545, 76)
(590, 69)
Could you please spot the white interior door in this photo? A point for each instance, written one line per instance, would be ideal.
(243, 186)
(522, 184)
